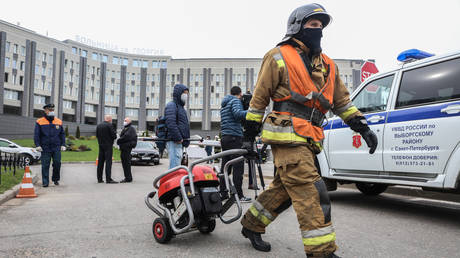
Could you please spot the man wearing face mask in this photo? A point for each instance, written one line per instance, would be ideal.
(127, 141)
(304, 85)
(49, 138)
(178, 125)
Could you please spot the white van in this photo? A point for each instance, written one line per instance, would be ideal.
(415, 113)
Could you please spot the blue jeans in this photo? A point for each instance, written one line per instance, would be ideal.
(46, 160)
(175, 153)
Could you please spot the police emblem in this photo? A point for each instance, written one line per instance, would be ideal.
(357, 141)
(57, 127)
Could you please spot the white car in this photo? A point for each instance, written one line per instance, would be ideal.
(415, 113)
(30, 154)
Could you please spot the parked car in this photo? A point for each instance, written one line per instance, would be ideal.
(415, 112)
(30, 154)
(145, 152)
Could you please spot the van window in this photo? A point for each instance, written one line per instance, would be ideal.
(434, 83)
(374, 96)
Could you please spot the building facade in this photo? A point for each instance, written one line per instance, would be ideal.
(85, 82)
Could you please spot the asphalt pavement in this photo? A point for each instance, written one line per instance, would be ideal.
(81, 218)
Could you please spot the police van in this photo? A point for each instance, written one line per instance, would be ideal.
(415, 113)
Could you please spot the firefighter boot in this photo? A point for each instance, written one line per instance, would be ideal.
(256, 240)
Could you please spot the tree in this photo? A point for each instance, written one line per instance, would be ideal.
(66, 131)
(77, 133)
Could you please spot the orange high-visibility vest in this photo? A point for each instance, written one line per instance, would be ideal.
(301, 84)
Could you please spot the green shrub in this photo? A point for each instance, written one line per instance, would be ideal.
(83, 148)
(77, 133)
(66, 131)
(73, 148)
(92, 137)
(147, 133)
(82, 138)
(71, 137)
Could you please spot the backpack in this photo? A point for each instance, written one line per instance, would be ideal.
(162, 130)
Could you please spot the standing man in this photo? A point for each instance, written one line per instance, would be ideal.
(105, 133)
(49, 138)
(127, 141)
(232, 114)
(304, 85)
(178, 125)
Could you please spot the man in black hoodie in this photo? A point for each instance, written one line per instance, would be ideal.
(127, 141)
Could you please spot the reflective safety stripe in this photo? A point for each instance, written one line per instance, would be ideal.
(317, 232)
(340, 110)
(277, 136)
(256, 111)
(350, 111)
(279, 60)
(319, 240)
(254, 117)
(259, 216)
(261, 209)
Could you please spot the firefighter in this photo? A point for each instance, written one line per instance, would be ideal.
(49, 138)
(304, 85)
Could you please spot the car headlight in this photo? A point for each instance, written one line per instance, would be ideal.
(133, 153)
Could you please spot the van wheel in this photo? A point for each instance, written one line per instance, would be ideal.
(371, 189)
(28, 160)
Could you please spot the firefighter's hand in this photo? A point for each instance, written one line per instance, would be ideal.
(371, 140)
(39, 149)
(249, 146)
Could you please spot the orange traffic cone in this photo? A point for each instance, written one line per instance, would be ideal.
(27, 187)
(97, 161)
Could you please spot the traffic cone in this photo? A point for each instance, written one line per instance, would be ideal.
(97, 161)
(27, 187)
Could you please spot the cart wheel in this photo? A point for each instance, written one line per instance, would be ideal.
(162, 230)
(207, 226)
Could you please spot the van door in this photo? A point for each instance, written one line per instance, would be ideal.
(347, 150)
(423, 129)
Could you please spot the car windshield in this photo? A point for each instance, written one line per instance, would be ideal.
(144, 145)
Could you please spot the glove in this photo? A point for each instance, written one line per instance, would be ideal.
(371, 140)
(251, 130)
(359, 125)
(63, 148)
(39, 149)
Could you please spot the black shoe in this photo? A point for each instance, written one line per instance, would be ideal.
(45, 185)
(100, 181)
(112, 182)
(56, 182)
(256, 240)
(126, 181)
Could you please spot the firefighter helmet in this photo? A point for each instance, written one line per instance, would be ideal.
(301, 14)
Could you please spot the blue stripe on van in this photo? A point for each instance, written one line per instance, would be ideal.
(409, 114)
(420, 113)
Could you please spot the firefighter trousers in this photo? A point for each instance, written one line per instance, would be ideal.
(296, 182)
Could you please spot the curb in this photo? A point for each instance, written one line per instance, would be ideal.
(10, 194)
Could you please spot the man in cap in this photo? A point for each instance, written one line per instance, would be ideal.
(49, 138)
(304, 85)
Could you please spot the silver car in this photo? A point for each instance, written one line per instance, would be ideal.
(30, 154)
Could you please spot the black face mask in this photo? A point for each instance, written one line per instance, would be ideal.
(311, 37)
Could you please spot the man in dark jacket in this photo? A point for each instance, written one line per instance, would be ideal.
(231, 116)
(178, 125)
(105, 133)
(49, 138)
(127, 141)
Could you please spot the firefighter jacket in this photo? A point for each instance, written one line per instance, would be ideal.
(284, 77)
(49, 135)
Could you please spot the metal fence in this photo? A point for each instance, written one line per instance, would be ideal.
(10, 161)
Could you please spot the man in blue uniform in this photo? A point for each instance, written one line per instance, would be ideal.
(49, 138)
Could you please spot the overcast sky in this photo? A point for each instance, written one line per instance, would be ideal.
(246, 28)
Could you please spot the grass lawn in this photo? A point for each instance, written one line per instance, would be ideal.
(8, 180)
(72, 155)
